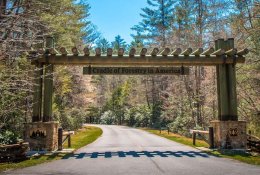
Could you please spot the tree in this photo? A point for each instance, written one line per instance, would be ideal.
(118, 43)
(154, 30)
(92, 35)
(137, 43)
(24, 25)
(16, 85)
(118, 101)
(157, 22)
(245, 24)
(103, 44)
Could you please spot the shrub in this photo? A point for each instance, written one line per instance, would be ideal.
(138, 116)
(108, 118)
(72, 119)
(182, 125)
(8, 137)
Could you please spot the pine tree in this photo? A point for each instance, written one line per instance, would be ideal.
(182, 26)
(103, 44)
(119, 43)
(91, 34)
(157, 22)
(137, 43)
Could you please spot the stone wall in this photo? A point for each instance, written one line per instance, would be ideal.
(42, 136)
(229, 134)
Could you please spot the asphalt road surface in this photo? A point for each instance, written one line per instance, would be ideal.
(123, 150)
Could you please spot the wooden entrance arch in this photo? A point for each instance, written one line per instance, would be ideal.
(224, 57)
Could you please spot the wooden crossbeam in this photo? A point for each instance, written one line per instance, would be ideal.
(53, 51)
(166, 52)
(143, 52)
(146, 60)
(63, 51)
(197, 52)
(121, 52)
(75, 51)
(187, 52)
(155, 52)
(132, 52)
(98, 52)
(86, 51)
(166, 57)
(109, 52)
(219, 52)
(243, 52)
(177, 52)
(208, 51)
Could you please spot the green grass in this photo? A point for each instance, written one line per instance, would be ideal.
(82, 138)
(236, 155)
(178, 138)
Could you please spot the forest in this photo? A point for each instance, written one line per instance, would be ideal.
(178, 102)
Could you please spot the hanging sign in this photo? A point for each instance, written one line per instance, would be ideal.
(135, 70)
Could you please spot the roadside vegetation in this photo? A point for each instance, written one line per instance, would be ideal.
(178, 102)
(236, 155)
(32, 22)
(81, 138)
(183, 102)
(178, 138)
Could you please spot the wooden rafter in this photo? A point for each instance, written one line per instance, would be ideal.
(188, 57)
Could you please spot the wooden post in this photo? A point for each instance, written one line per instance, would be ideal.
(60, 135)
(249, 139)
(37, 96)
(231, 80)
(194, 138)
(226, 84)
(69, 140)
(223, 105)
(48, 84)
(211, 137)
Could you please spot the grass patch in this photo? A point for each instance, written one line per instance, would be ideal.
(178, 138)
(236, 155)
(82, 138)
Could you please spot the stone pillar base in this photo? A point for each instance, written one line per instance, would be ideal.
(42, 136)
(229, 134)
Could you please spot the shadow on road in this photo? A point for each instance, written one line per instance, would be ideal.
(123, 154)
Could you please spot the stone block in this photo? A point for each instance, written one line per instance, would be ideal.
(230, 134)
(42, 136)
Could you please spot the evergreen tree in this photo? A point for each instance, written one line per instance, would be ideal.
(119, 43)
(182, 27)
(103, 44)
(137, 43)
(157, 22)
(31, 21)
(92, 34)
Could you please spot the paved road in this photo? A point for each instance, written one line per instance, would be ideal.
(123, 150)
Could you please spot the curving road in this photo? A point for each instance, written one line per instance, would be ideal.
(123, 150)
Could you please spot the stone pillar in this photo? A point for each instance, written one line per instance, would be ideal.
(229, 134)
(42, 136)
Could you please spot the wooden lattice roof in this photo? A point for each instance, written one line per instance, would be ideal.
(166, 57)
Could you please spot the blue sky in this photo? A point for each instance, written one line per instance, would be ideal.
(116, 17)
